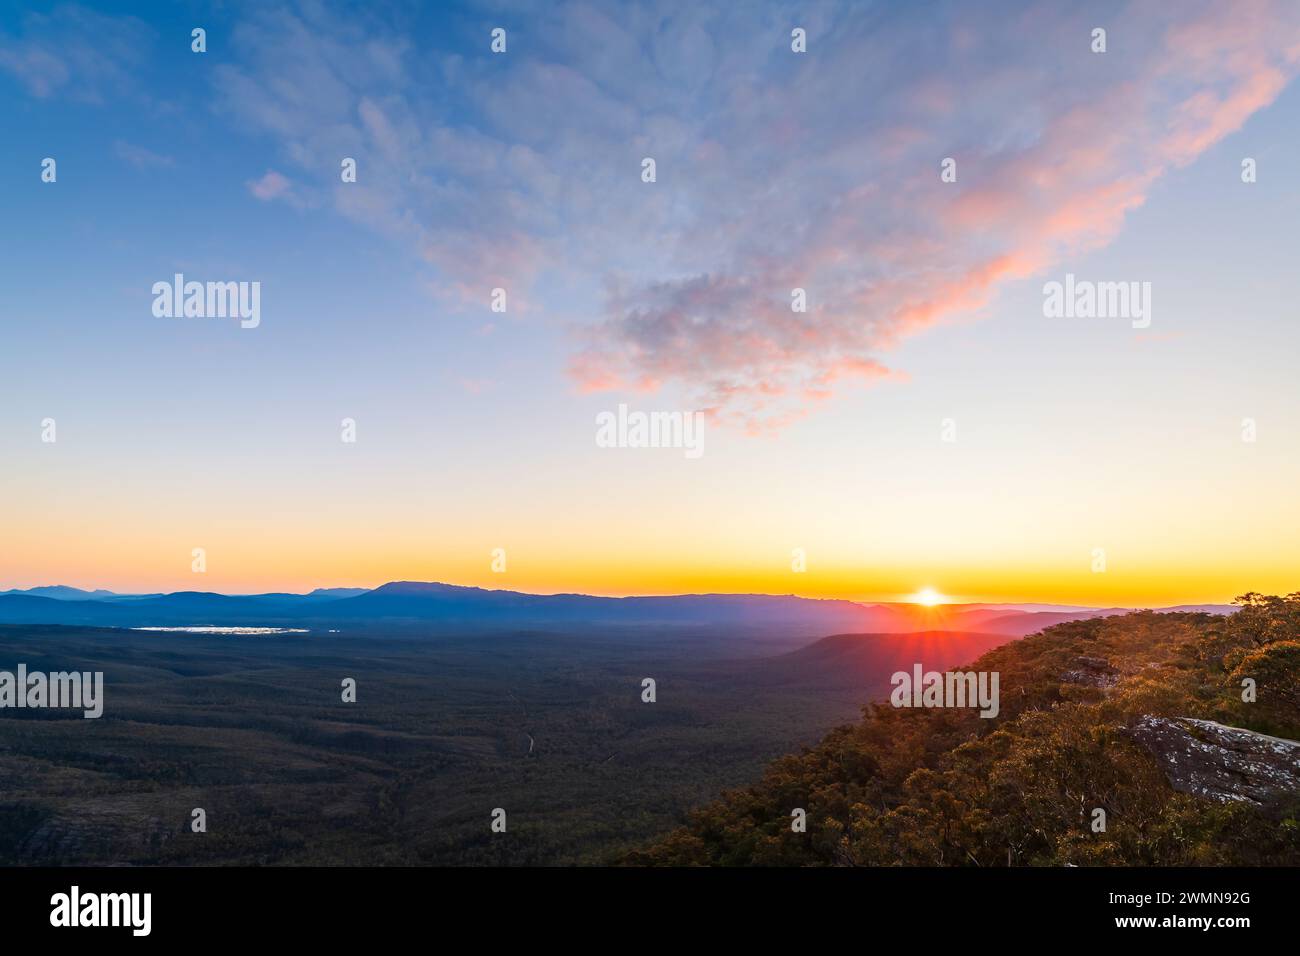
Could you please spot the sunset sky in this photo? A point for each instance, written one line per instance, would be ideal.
(774, 170)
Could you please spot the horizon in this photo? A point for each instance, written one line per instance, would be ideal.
(948, 601)
(857, 322)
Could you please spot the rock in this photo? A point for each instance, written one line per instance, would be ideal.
(1222, 763)
(99, 831)
(1091, 672)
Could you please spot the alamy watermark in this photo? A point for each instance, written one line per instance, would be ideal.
(951, 689)
(209, 300)
(62, 689)
(1084, 299)
(75, 908)
(630, 429)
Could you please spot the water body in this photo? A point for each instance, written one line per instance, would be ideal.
(241, 631)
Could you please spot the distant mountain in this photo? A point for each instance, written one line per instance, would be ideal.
(61, 592)
(448, 605)
(1020, 607)
(316, 596)
(990, 619)
(184, 607)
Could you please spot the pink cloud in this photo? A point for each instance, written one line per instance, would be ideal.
(874, 258)
(776, 171)
(271, 186)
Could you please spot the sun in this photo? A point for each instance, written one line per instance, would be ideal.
(928, 597)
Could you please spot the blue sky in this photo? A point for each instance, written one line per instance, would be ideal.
(522, 170)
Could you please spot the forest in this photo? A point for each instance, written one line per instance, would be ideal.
(1074, 736)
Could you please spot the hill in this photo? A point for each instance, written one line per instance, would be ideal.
(63, 593)
(864, 662)
(431, 605)
(1140, 715)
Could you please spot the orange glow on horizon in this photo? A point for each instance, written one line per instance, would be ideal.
(148, 549)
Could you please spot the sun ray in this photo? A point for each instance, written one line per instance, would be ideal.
(927, 597)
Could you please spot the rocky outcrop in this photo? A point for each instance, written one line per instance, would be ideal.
(1221, 763)
(120, 830)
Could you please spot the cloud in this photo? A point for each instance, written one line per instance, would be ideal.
(75, 52)
(272, 185)
(477, 386)
(139, 157)
(776, 171)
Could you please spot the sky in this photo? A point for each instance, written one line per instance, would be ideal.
(924, 423)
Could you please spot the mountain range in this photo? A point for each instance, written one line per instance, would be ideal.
(472, 607)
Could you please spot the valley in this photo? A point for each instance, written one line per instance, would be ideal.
(548, 725)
